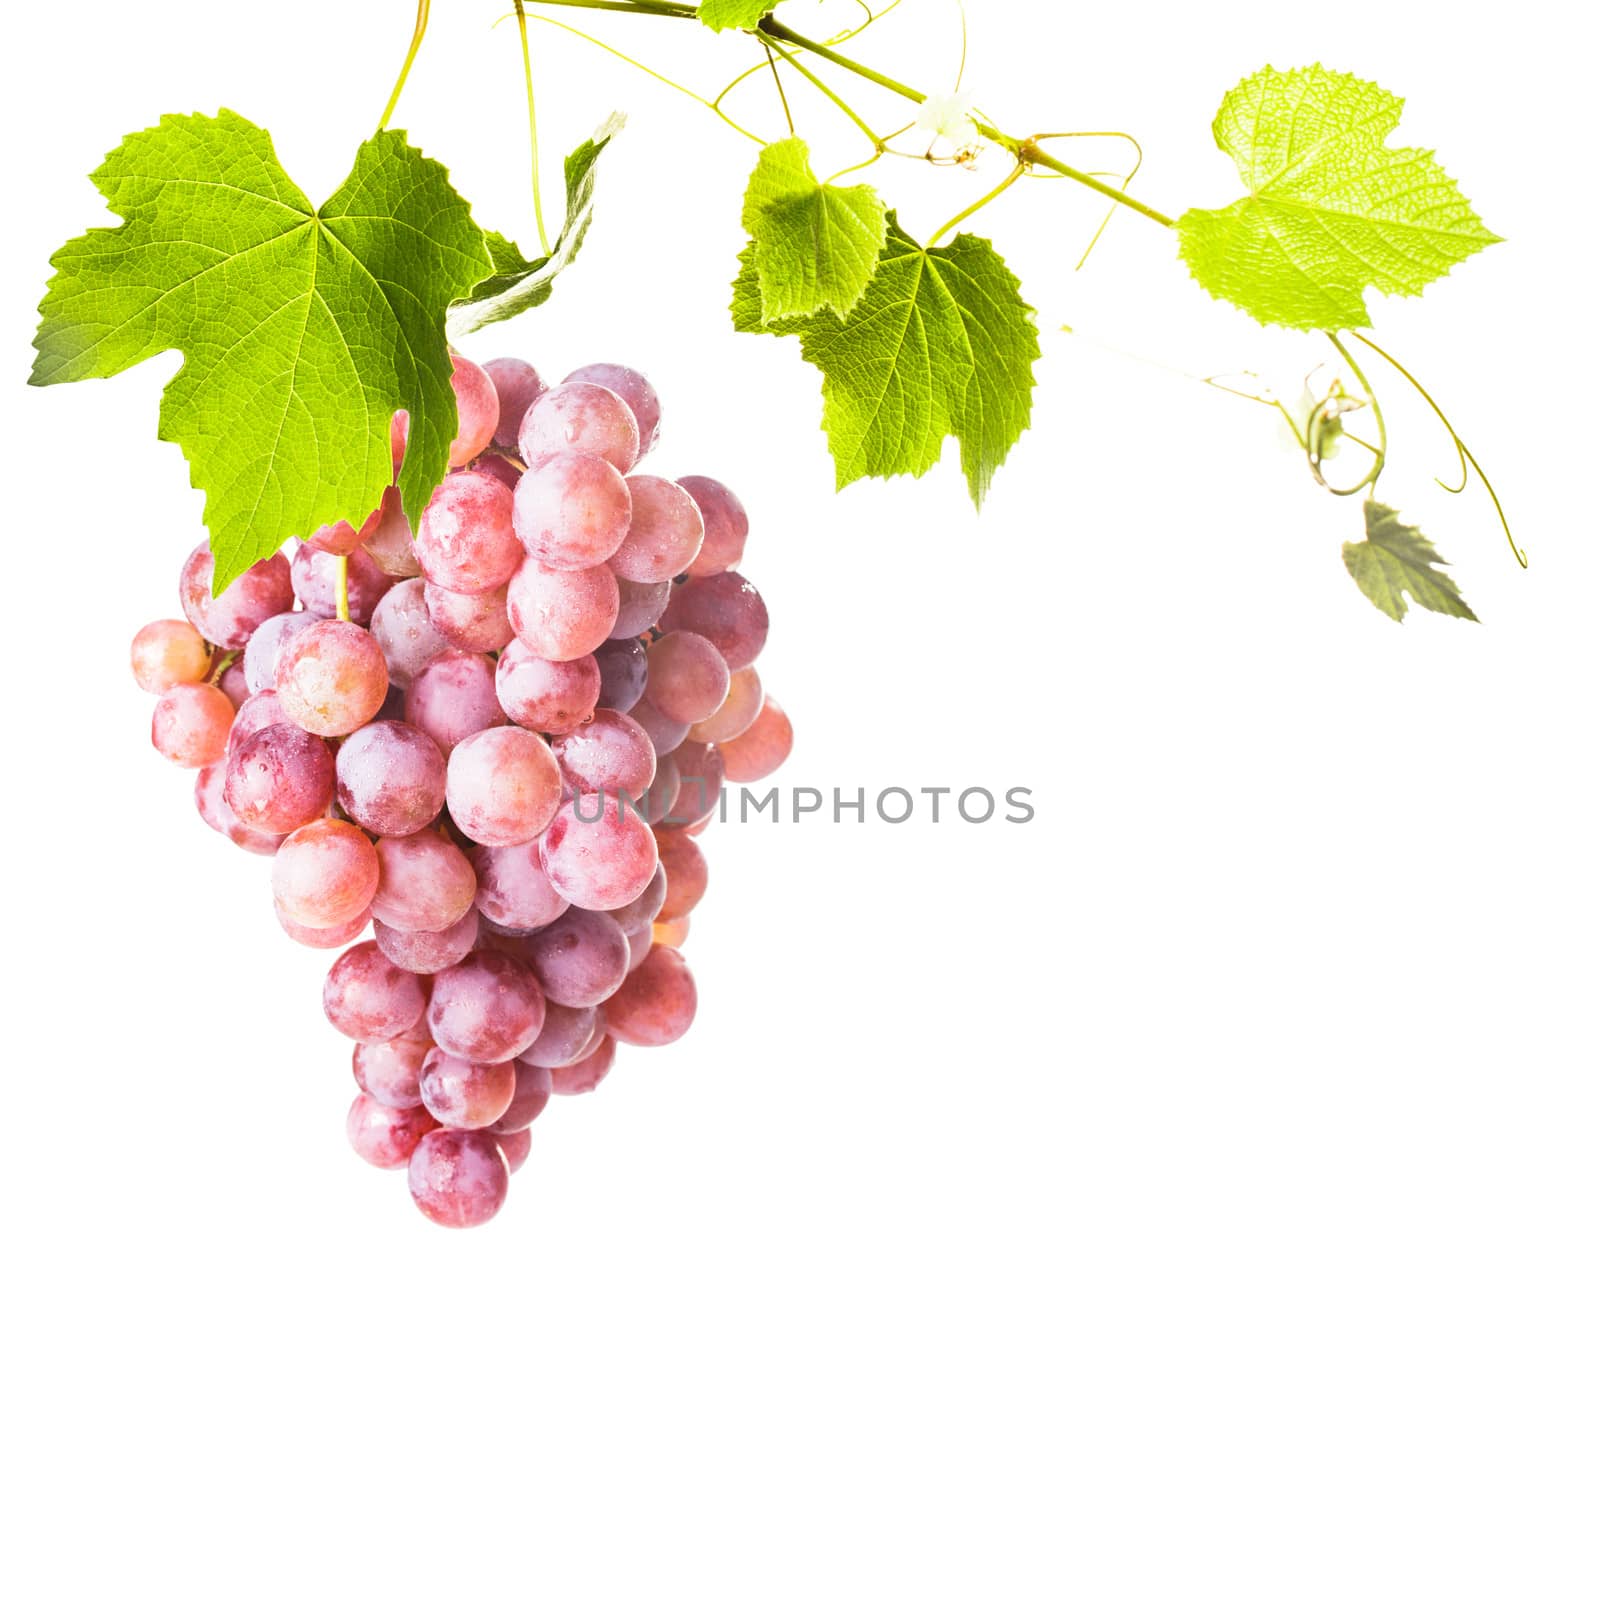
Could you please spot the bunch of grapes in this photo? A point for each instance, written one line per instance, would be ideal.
(481, 756)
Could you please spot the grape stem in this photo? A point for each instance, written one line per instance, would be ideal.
(405, 68)
(341, 588)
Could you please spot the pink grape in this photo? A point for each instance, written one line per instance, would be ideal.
(639, 607)
(230, 618)
(501, 467)
(331, 678)
(405, 631)
(530, 1097)
(610, 753)
(458, 1179)
(637, 392)
(656, 1002)
(637, 916)
(665, 533)
(622, 673)
(586, 1075)
(502, 786)
(168, 653)
(477, 410)
(762, 748)
(674, 933)
(687, 874)
(453, 696)
(465, 540)
(571, 510)
(386, 1136)
(562, 615)
(389, 545)
(580, 416)
(470, 621)
(323, 938)
(489, 1007)
(687, 679)
(664, 732)
(425, 883)
(391, 778)
(388, 1070)
(515, 1147)
(316, 577)
(700, 777)
(366, 996)
(190, 724)
(726, 524)
(518, 386)
(466, 1094)
(741, 708)
(259, 711)
(547, 696)
(232, 683)
(567, 1034)
(598, 853)
(513, 889)
(662, 795)
(580, 959)
(727, 610)
(639, 946)
(279, 779)
(261, 654)
(211, 802)
(337, 538)
(324, 874)
(429, 953)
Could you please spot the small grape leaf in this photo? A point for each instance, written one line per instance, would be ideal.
(816, 245)
(720, 15)
(1332, 210)
(1394, 560)
(518, 284)
(302, 329)
(940, 345)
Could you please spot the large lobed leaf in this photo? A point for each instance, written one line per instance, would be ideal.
(1332, 209)
(1394, 560)
(518, 284)
(940, 345)
(303, 329)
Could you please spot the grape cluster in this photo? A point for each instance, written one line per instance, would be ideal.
(495, 742)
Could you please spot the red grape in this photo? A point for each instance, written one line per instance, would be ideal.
(387, 1136)
(598, 852)
(489, 1007)
(168, 653)
(457, 1178)
(656, 1002)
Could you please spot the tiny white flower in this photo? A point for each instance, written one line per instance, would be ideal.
(948, 116)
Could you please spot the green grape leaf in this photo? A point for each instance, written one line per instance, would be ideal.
(720, 15)
(816, 245)
(1395, 560)
(518, 284)
(1332, 209)
(302, 329)
(940, 345)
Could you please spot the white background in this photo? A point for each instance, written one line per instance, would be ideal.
(1192, 1192)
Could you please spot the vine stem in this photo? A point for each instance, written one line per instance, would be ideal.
(405, 67)
(1379, 454)
(341, 588)
(1026, 151)
(533, 126)
(1467, 457)
(978, 205)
